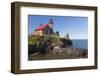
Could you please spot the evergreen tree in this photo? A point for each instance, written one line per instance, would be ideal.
(69, 42)
(67, 36)
(57, 32)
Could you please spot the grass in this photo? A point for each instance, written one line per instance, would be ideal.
(33, 39)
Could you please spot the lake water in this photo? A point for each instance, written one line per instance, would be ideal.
(80, 43)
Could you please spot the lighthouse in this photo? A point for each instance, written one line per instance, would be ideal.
(50, 23)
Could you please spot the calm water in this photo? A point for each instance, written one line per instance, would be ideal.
(80, 43)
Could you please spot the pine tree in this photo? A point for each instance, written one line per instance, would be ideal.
(69, 42)
(57, 32)
(67, 36)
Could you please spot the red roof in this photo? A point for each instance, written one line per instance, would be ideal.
(41, 27)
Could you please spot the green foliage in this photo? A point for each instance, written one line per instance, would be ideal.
(69, 43)
(57, 32)
(54, 38)
(67, 36)
(66, 42)
(35, 39)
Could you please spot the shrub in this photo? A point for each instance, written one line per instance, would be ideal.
(33, 39)
(67, 42)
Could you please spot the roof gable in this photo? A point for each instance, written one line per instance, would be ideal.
(41, 27)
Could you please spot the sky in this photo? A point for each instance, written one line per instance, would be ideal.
(76, 27)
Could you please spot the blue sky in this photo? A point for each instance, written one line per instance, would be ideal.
(77, 27)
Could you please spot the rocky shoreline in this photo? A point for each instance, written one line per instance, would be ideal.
(61, 53)
(70, 51)
(55, 48)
